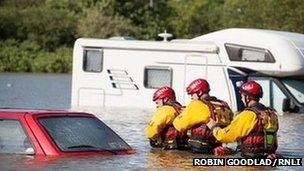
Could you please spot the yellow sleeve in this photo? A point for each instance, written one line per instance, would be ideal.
(195, 113)
(162, 117)
(240, 127)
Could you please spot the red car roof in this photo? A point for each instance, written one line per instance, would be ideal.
(36, 111)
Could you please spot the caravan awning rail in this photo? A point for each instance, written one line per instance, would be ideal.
(191, 46)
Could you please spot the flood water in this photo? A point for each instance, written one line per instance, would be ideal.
(54, 91)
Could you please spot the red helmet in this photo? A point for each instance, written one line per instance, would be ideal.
(252, 89)
(164, 92)
(198, 85)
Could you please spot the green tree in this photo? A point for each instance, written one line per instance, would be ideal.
(96, 24)
(284, 15)
(21, 3)
(195, 17)
(38, 35)
(150, 19)
(51, 28)
(16, 56)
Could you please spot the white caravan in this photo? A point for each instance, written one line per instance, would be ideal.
(126, 73)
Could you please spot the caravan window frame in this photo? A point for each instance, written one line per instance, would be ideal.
(157, 68)
(84, 59)
(235, 56)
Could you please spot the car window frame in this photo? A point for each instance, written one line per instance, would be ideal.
(25, 130)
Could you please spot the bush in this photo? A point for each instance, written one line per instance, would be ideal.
(59, 61)
(95, 24)
(28, 56)
(50, 27)
(37, 35)
(287, 15)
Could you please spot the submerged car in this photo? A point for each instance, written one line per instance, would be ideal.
(57, 133)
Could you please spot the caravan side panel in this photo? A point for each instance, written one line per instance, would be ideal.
(129, 76)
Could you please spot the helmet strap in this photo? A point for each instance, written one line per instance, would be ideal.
(248, 100)
(165, 100)
(199, 95)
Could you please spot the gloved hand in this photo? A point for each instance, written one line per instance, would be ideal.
(154, 143)
(274, 156)
(211, 124)
(222, 151)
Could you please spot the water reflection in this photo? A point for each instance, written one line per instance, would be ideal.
(35, 90)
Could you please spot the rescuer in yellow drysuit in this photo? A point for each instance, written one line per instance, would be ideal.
(194, 117)
(255, 128)
(160, 131)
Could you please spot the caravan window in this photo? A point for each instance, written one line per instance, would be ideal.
(92, 60)
(157, 77)
(248, 54)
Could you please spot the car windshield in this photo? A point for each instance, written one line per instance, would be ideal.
(82, 134)
(296, 88)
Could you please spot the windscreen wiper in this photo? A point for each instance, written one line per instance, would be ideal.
(92, 147)
(82, 146)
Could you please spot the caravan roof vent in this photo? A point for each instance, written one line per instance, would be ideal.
(165, 36)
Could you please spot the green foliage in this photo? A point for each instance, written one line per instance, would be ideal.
(195, 17)
(13, 59)
(27, 56)
(8, 22)
(150, 19)
(21, 3)
(54, 29)
(286, 15)
(96, 24)
(59, 61)
(51, 28)
(38, 35)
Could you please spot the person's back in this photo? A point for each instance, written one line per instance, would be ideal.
(194, 117)
(254, 128)
(262, 138)
(160, 131)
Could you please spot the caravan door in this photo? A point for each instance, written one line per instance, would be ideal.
(208, 66)
(195, 66)
(237, 78)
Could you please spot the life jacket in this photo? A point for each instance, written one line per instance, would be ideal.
(201, 138)
(171, 138)
(262, 140)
